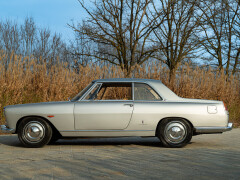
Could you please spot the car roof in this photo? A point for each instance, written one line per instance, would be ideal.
(157, 85)
(126, 80)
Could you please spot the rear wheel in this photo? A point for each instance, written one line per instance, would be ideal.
(34, 132)
(174, 133)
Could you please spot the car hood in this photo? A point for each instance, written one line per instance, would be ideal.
(37, 104)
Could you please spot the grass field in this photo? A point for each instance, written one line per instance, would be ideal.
(25, 81)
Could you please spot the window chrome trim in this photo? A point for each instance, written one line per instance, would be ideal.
(93, 84)
(100, 85)
(82, 98)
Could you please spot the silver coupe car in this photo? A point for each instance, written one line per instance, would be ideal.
(117, 108)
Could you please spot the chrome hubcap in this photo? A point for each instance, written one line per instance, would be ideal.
(175, 132)
(34, 132)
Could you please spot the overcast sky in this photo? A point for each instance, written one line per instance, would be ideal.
(54, 14)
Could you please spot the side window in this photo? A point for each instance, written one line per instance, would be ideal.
(111, 91)
(145, 92)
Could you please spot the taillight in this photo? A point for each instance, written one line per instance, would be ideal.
(225, 106)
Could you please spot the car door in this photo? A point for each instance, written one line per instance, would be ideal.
(108, 106)
(148, 107)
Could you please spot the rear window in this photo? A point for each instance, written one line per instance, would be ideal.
(144, 92)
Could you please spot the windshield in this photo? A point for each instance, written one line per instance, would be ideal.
(79, 95)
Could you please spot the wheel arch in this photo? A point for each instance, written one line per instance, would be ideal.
(54, 129)
(176, 118)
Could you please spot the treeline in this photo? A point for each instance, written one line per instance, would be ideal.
(127, 33)
(130, 33)
(28, 40)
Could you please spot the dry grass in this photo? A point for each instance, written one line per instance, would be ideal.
(24, 81)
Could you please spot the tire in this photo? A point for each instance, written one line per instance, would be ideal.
(174, 133)
(34, 132)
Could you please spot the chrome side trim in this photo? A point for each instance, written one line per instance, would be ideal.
(203, 130)
(5, 129)
(105, 130)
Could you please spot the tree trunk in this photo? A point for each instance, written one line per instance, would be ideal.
(172, 77)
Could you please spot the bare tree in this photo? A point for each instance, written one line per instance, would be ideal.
(236, 27)
(43, 49)
(220, 39)
(80, 46)
(121, 30)
(176, 37)
(10, 35)
(28, 33)
(56, 49)
(1, 42)
(28, 40)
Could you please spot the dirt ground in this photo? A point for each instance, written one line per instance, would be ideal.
(206, 157)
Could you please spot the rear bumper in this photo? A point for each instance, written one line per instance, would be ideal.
(5, 129)
(208, 130)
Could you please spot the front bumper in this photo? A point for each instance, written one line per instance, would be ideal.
(5, 129)
(209, 130)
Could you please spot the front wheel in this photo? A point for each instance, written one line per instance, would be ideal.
(174, 133)
(34, 132)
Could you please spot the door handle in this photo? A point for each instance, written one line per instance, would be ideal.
(131, 105)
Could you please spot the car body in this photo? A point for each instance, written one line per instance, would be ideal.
(116, 108)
